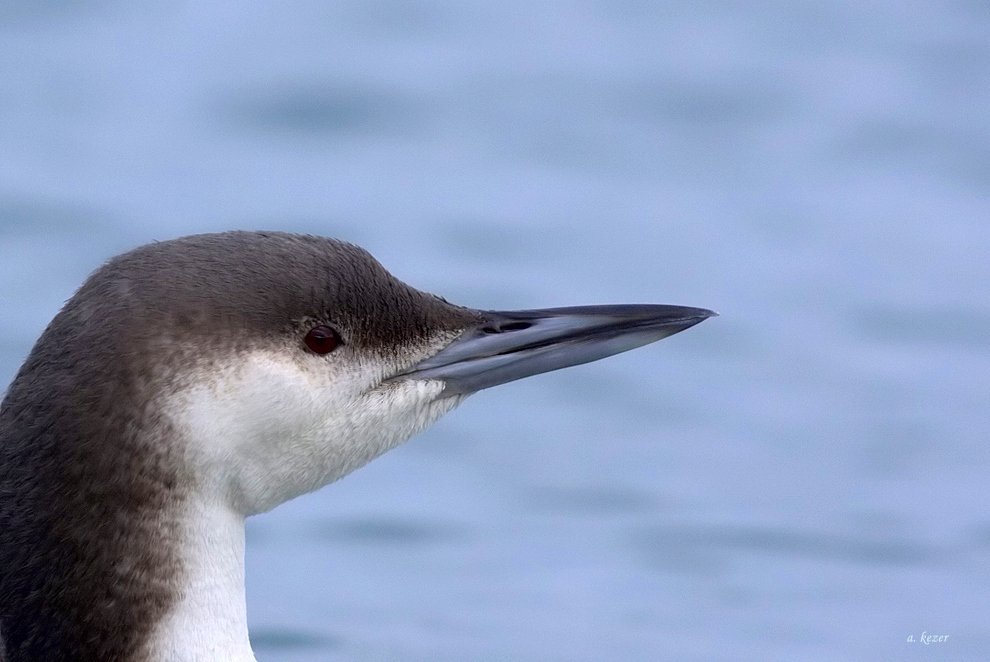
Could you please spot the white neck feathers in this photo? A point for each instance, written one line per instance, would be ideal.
(256, 433)
(209, 620)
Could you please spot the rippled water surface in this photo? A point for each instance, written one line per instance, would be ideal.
(804, 477)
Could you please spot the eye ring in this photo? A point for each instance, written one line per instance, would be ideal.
(322, 339)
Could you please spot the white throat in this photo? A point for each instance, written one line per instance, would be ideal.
(209, 622)
(256, 433)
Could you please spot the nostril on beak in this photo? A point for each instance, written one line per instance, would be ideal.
(511, 326)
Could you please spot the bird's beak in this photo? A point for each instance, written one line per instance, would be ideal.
(510, 345)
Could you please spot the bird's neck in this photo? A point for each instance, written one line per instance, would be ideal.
(209, 619)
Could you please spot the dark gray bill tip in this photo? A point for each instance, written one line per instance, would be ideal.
(510, 345)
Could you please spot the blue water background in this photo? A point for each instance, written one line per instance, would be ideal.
(803, 478)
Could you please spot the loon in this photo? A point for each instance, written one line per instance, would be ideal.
(191, 383)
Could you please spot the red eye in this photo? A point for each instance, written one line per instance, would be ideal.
(322, 339)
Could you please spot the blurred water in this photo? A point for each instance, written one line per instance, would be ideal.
(802, 478)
